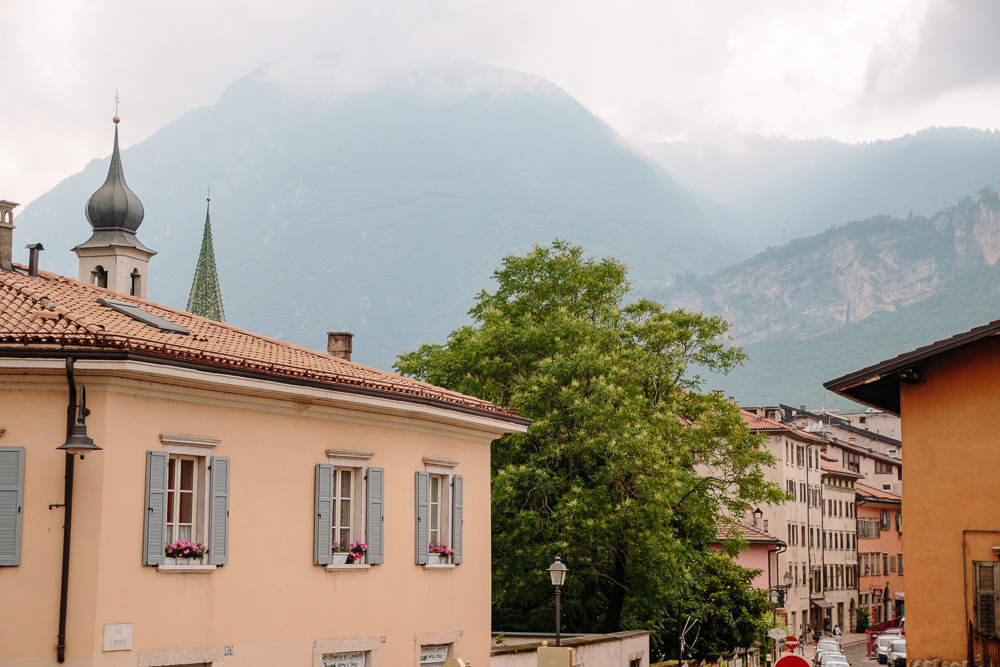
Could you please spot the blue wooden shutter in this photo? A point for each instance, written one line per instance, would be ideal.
(456, 517)
(423, 519)
(11, 504)
(376, 514)
(218, 512)
(155, 533)
(324, 515)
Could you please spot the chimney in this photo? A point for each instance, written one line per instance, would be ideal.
(7, 234)
(339, 344)
(34, 249)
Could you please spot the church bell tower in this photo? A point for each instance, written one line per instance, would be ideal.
(113, 257)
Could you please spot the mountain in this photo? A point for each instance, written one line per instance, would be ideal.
(382, 212)
(853, 295)
(763, 190)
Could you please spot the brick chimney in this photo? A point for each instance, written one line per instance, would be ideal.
(339, 344)
(7, 234)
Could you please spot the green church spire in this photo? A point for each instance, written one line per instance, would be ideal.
(206, 297)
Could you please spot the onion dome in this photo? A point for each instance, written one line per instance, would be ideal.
(114, 206)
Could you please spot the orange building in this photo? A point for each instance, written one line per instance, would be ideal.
(880, 553)
(946, 395)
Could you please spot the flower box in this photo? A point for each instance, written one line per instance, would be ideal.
(167, 560)
(183, 552)
(340, 558)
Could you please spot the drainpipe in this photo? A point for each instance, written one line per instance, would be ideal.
(67, 516)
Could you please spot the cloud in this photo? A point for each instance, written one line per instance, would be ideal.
(954, 48)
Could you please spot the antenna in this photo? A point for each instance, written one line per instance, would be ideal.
(208, 192)
(117, 100)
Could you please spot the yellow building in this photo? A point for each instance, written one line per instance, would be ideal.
(947, 395)
(263, 452)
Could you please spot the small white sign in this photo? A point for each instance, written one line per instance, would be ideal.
(430, 655)
(777, 633)
(355, 659)
(118, 637)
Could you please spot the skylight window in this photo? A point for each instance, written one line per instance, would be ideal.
(144, 316)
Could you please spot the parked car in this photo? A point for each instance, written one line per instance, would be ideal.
(896, 655)
(818, 657)
(828, 644)
(831, 658)
(882, 647)
(839, 662)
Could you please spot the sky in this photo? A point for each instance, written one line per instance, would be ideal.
(852, 70)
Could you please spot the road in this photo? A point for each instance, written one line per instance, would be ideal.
(855, 653)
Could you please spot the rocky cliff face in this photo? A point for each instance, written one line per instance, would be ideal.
(816, 285)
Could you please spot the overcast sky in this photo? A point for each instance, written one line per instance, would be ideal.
(854, 70)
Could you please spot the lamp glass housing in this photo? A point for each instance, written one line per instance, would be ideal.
(788, 578)
(557, 571)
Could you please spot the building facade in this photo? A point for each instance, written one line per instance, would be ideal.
(233, 477)
(946, 395)
(880, 553)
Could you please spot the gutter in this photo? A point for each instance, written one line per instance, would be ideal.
(115, 355)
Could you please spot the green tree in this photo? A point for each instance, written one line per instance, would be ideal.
(606, 475)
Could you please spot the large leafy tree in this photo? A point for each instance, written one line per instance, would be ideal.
(627, 466)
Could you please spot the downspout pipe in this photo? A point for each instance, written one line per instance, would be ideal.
(67, 515)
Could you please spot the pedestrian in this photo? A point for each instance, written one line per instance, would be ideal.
(836, 632)
(802, 644)
(809, 631)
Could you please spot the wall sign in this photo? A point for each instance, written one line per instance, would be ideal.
(353, 659)
(118, 637)
(433, 655)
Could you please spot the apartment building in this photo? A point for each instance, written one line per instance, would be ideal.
(880, 553)
(798, 522)
(838, 567)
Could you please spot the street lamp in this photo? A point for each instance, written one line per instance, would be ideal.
(557, 571)
(757, 514)
(78, 441)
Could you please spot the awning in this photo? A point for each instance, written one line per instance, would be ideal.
(822, 603)
(899, 595)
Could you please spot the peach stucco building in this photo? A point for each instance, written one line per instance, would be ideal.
(947, 395)
(263, 452)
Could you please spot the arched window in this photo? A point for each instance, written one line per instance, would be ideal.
(135, 285)
(99, 276)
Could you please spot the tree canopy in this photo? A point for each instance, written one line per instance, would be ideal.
(627, 468)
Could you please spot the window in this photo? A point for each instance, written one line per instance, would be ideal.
(899, 521)
(892, 564)
(350, 507)
(99, 276)
(182, 499)
(803, 535)
(187, 498)
(883, 468)
(885, 563)
(900, 558)
(765, 525)
(135, 283)
(852, 462)
(439, 513)
(343, 496)
(800, 455)
(986, 581)
(802, 492)
(884, 521)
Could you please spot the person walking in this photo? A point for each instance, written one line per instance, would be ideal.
(802, 644)
(836, 632)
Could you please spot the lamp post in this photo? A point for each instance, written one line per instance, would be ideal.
(778, 597)
(77, 442)
(557, 571)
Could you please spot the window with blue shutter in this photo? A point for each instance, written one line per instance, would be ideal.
(323, 519)
(11, 504)
(154, 534)
(376, 515)
(423, 513)
(218, 511)
(456, 517)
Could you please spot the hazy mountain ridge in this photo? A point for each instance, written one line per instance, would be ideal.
(771, 189)
(816, 285)
(382, 212)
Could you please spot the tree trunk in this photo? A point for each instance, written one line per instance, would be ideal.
(616, 600)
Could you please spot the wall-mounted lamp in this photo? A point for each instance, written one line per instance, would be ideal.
(78, 441)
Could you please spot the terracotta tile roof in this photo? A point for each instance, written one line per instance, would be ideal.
(729, 530)
(839, 470)
(54, 312)
(871, 493)
(756, 423)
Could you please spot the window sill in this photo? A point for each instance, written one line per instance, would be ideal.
(439, 566)
(359, 567)
(185, 569)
